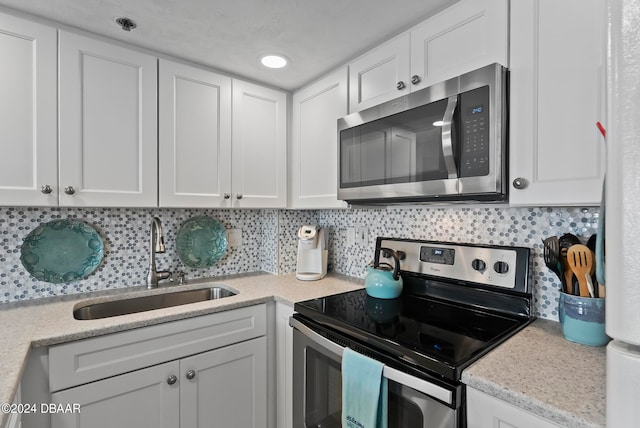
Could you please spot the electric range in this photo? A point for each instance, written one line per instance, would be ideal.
(459, 301)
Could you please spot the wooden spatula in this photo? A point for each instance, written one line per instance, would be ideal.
(580, 260)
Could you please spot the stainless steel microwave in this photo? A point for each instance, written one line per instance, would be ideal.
(447, 142)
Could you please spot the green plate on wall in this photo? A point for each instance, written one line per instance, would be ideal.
(62, 251)
(201, 241)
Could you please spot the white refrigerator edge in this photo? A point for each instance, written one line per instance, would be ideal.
(623, 214)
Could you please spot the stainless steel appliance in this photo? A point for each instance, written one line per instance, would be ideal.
(458, 302)
(447, 142)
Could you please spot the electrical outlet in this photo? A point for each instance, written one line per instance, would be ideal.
(351, 236)
(234, 237)
(362, 235)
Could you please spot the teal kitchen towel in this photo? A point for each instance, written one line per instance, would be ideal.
(364, 392)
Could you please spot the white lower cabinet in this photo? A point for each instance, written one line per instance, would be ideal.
(142, 399)
(228, 387)
(225, 387)
(207, 371)
(14, 420)
(485, 411)
(284, 368)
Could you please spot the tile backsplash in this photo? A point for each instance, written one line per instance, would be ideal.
(126, 236)
(269, 241)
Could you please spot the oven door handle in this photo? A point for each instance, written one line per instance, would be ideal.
(390, 373)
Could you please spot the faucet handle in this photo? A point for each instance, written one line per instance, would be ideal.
(181, 278)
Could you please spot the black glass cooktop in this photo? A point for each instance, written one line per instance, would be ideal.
(435, 334)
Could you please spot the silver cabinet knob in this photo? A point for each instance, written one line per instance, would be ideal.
(69, 190)
(46, 189)
(520, 183)
(415, 79)
(227, 195)
(191, 374)
(172, 379)
(400, 85)
(239, 196)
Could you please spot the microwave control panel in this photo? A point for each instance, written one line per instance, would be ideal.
(474, 129)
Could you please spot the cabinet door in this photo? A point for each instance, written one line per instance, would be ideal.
(143, 398)
(227, 387)
(108, 124)
(485, 411)
(259, 147)
(14, 420)
(380, 75)
(195, 136)
(28, 108)
(466, 36)
(284, 366)
(557, 96)
(314, 146)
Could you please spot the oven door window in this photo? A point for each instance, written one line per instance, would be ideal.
(407, 407)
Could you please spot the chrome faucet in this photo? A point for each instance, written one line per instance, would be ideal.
(157, 246)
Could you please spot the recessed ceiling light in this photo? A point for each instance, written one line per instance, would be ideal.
(274, 61)
(438, 123)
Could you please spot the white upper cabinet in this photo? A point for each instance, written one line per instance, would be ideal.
(557, 96)
(259, 147)
(108, 124)
(380, 74)
(194, 136)
(28, 131)
(466, 36)
(314, 144)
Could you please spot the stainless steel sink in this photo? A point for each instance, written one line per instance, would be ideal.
(115, 308)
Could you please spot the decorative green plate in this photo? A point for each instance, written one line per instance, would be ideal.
(201, 241)
(62, 251)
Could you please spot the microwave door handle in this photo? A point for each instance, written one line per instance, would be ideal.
(447, 142)
(390, 373)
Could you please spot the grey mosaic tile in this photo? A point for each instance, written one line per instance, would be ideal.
(270, 242)
(499, 226)
(125, 233)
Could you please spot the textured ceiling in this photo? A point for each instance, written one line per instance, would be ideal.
(230, 35)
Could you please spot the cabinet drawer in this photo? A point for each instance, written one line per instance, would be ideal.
(485, 411)
(87, 360)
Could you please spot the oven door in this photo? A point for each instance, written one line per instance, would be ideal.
(317, 389)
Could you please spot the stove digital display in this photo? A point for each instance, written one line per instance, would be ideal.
(443, 256)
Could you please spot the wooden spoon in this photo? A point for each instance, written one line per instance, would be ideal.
(580, 260)
(565, 242)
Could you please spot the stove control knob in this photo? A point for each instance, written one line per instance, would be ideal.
(478, 265)
(501, 267)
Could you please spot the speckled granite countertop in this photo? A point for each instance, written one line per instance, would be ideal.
(544, 374)
(535, 370)
(45, 322)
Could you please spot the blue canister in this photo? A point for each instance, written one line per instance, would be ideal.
(582, 319)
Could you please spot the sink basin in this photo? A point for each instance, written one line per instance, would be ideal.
(147, 303)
